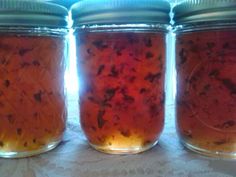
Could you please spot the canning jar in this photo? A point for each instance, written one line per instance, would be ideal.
(121, 69)
(32, 64)
(206, 70)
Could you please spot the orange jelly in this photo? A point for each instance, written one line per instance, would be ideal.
(206, 96)
(121, 70)
(32, 100)
(121, 89)
(206, 70)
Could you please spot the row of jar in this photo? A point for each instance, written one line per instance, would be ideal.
(121, 61)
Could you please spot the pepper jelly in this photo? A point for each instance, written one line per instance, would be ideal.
(32, 55)
(206, 70)
(121, 69)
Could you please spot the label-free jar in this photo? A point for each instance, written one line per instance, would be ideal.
(206, 70)
(32, 64)
(121, 69)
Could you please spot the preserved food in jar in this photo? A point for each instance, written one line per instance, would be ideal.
(206, 83)
(121, 70)
(32, 106)
(33, 48)
(122, 98)
(206, 89)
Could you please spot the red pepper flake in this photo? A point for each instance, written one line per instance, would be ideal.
(7, 83)
(128, 98)
(152, 77)
(154, 110)
(182, 56)
(110, 93)
(38, 96)
(100, 69)
(227, 124)
(188, 133)
(114, 72)
(220, 142)
(148, 42)
(149, 55)
(19, 131)
(89, 51)
(125, 133)
(159, 58)
(36, 63)
(214, 73)
(100, 45)
(100, 120)
(210, 45)
(4, 61)
(36, 114)
(146, 143)
(132, 79)
(25, 64)
(10, 118)
(229, 85)
(226, 45)
(1, 144)
(118, 49)
(22, 52)
(94, 128)
(142, 90)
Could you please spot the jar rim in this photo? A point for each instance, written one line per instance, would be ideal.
(124, 28)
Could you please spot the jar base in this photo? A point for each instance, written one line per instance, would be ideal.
(24, 154)
(129, 150)
(215, 154)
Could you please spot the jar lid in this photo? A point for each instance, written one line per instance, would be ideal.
(193, 11)
(34, 13)
(65, 3)
(91, 12)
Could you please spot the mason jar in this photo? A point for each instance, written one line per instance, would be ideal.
(206, 70)
(121, 71)
(32, 64)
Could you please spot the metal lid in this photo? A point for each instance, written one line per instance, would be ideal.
(193, 11)
(36, 13)
(65, 3)
(88, 12)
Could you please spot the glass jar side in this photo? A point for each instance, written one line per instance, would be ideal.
(121, 75)
(206, 119)
(32, 99)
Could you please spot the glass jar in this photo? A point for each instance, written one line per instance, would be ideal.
(121, 69)
(206, 70)
(32, 63)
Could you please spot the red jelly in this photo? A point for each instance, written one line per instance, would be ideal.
(121, 103)
(32, 64)
(32, 102)
(206, 91)
(121, 72)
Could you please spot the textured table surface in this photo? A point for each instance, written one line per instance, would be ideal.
(74, 158)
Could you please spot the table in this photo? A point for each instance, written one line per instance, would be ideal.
(74, 158)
